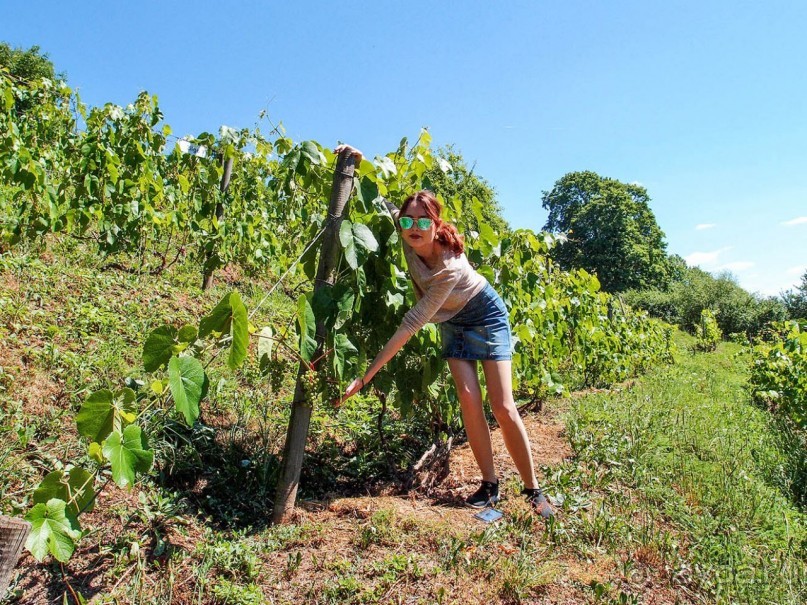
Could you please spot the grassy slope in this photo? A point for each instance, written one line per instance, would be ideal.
(669, 484)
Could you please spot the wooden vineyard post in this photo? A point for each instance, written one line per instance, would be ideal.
(299, 422)
(13, 533)
(207, 279)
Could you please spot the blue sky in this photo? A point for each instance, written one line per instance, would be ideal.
(700, 102)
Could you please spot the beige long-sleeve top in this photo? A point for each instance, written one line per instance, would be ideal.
(443, 290)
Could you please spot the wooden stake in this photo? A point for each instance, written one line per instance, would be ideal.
(207, 279)
(299, 422)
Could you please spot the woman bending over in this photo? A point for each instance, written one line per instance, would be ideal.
(474, 328)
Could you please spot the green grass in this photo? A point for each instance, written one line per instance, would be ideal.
(677, 479)
(690, 470)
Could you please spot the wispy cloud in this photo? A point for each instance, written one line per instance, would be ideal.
(736, 266)
(703, 226)
(705, 260)
(798, 270)
(799, 220)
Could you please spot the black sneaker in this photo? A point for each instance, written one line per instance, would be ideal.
(538, 502)
(486, 495)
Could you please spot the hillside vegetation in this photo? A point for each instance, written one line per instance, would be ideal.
(164, 324)
(669, 486)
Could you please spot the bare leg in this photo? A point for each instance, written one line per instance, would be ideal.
(473, 415)
(500, 392)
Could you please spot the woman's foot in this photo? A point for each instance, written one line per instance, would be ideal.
(538, 502)
(486, 495)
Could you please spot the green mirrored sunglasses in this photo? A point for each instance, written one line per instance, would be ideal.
(406, 222)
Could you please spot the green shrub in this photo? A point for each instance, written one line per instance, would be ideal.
(779, 372)
(707, 332)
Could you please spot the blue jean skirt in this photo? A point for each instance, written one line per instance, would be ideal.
(480, 330)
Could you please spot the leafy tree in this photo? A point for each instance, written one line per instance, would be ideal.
(611, 231)
(461, 182)
(736, 310)
(795, 300)
(26, 64)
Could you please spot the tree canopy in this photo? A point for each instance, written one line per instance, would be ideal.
(462, 182)
(611, 231)
(795, 300)
(693, 290)
(26, 65)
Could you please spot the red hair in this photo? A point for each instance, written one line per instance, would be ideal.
(447, 233)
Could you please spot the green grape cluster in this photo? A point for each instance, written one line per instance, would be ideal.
(329, 387)
(309, 383)
(276, 369)
(320, 386)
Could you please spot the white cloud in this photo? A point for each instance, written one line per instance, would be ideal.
(705, 260)
(735, 266)
(799, 220)
(798, 270)
(703, 226)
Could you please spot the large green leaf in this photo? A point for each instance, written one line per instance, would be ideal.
(344, 299)
(76, 488)
(309, 150)
(159, 348)
(239, 331)
(187, 334)
(308, 329)
(364, 237)
(104, 412)
(230, 315)
(218, 320)
(344, 352)
(356, 240)
(366, 193)
(333, 305)
(386, 165)
(348, 243)
(52, 530)
(188, 383)
(128, 454)
(265, 343)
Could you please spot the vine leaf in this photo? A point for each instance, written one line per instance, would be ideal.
(75, 488)
(188, 383)
(308, 329)
(265, 345)
(386, 166)
(105, 412)
(356, 240)
(230, 315)
(366, 193)
(348, 243)
(239, 331)
(344, 350)
(159, 348)
(187, 334)
(364, 237)
(52, 530)
(218, 320)
(129, 454)
(344, 299)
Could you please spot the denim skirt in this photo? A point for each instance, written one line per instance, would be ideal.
(479, 331)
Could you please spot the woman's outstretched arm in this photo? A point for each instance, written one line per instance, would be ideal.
(389, 350)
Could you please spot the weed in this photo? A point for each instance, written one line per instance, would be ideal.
(380, 529)
(232, 559)
(522, 577)
(226, 592)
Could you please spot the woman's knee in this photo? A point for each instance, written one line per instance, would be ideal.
(468, 395)
(503, 409)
